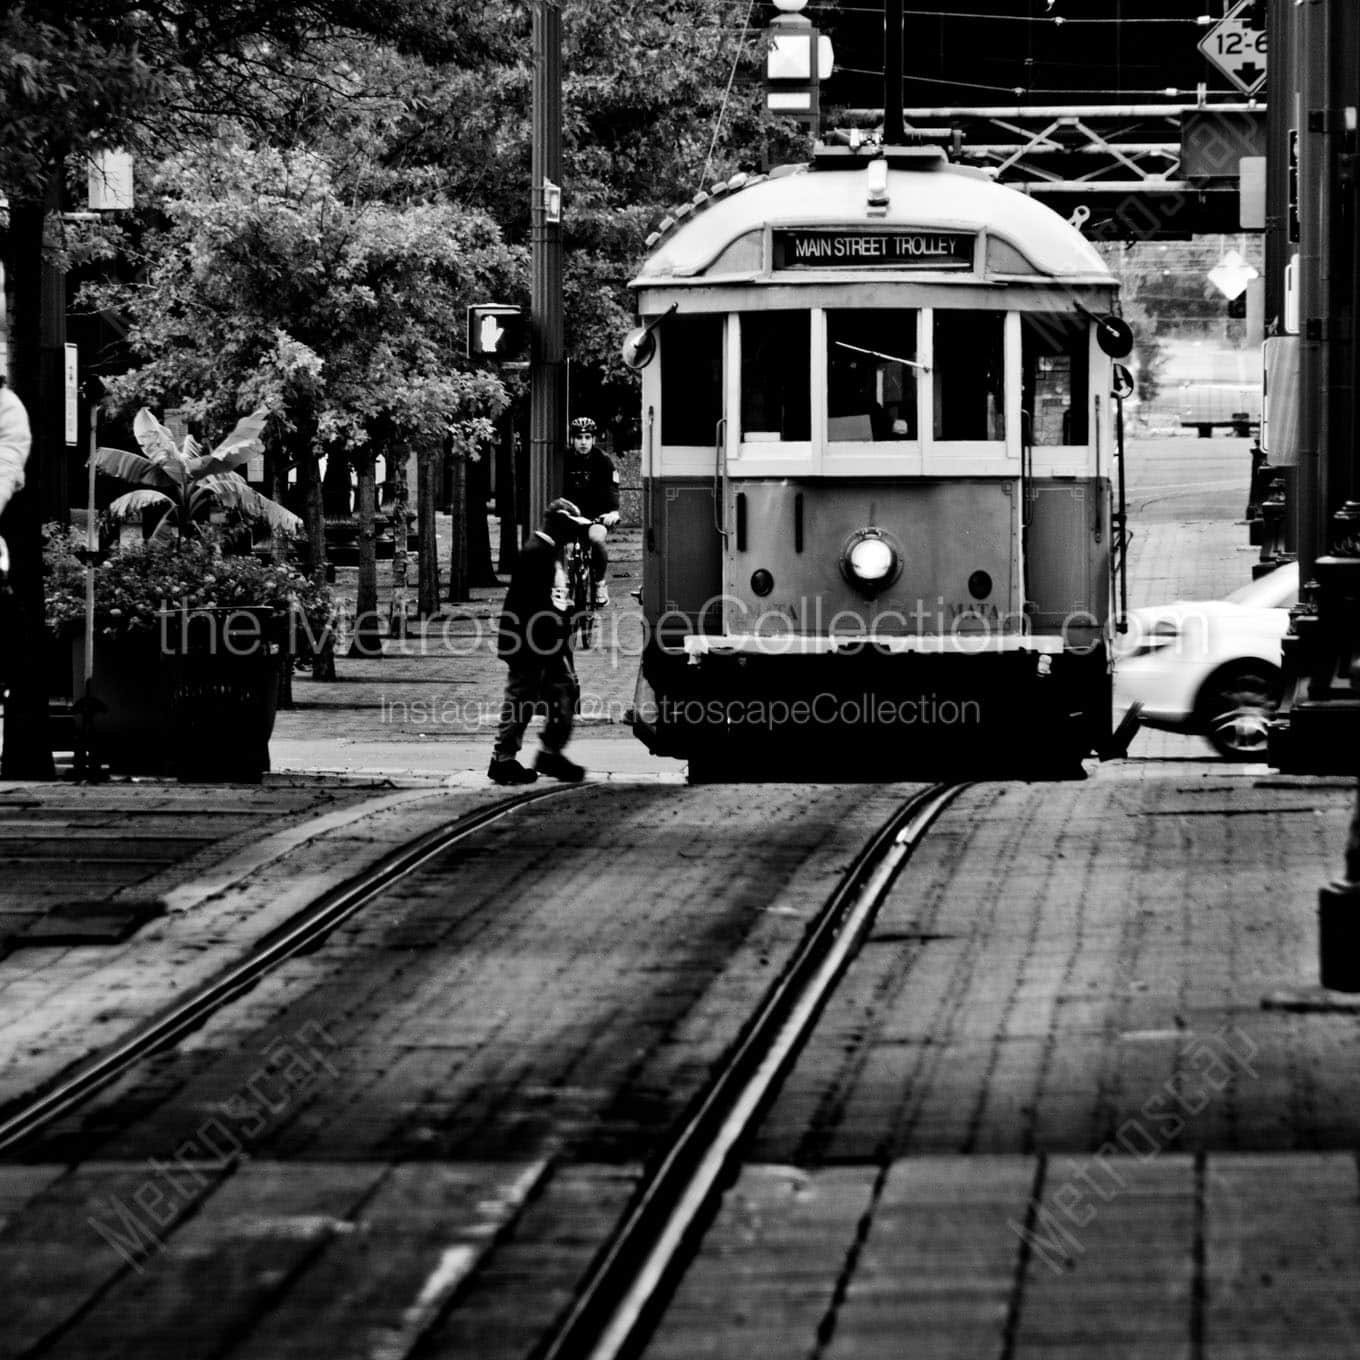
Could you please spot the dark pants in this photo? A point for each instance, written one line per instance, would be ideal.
(551, 683)
(599, 554)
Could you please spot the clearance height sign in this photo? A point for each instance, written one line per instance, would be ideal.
(795, 249)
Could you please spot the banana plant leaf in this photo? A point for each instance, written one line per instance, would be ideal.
(132, 467)
(131, 505)
(154, 439)
(235, 449)
(232, 492)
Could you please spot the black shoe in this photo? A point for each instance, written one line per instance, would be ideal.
(555, 764)
(507, 770)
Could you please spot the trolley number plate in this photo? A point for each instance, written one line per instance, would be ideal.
(873, 250)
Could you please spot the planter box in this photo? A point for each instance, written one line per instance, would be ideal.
(197, 701)
(130, 735)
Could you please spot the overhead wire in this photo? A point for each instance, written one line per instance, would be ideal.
(1058, 20)
(727, 94)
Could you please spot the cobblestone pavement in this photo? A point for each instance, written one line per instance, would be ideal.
(1047, 1115)
(63, 997)
(1051, 1110)
(540, 1001)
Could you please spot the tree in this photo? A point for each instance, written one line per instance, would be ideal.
(267, 284)
(645, 95)
(91, 74)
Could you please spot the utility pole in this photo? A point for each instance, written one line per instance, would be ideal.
(547, 387)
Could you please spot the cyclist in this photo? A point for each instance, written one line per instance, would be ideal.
(592, 481)
(535, 643)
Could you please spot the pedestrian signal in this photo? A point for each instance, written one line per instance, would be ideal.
(496, 331)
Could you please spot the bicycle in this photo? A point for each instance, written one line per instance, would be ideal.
(581, 593)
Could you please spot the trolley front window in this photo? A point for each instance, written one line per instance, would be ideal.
(691, 379)
(776, 362)
(871, 375)
(1057, 383)
(969, 372)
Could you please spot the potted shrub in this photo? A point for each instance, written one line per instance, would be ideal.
(188, 645)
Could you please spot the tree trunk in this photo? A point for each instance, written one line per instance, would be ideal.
(335, 487)
(398, 457)
(367, 629)
(458, 557)
(480, 571)
(427, 485)
(28, 743)
(506, 498)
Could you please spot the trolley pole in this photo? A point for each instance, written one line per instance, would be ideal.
(547, 391)
(894, 130)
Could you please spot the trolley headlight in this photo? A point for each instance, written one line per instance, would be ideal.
(870, 561)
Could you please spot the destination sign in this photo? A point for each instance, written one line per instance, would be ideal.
(809, 249)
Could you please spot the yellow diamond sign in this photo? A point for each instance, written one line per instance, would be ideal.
(1237, 45)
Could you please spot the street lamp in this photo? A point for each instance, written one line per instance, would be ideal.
(799, 59)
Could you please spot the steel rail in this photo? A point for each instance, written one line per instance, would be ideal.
(301, 932)
(632, 1270)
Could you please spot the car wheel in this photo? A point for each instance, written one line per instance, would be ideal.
(1236, 708)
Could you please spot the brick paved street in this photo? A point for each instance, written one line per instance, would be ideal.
(1047, 1113)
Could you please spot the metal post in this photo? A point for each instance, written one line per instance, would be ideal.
(1343, 457)
(1280, 121)
(91, 547)
(87, 764)
(894, 133)
(1316, 150)
(1123, 544)
(547, 396)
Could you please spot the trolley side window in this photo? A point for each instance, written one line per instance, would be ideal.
(691, 379)
(870, 375)
(969, 372)
(776, 389)
(1057, 381)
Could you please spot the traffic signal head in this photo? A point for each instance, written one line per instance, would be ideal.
(496, 331)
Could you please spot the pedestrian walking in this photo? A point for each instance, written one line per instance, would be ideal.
(535, 643)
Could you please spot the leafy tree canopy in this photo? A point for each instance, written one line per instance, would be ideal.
(288, 132)
(267, 284)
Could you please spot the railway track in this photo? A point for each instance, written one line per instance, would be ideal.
(652, 1243)
(302, 932)
(620, 1296)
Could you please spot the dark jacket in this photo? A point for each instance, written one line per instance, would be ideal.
(592, 482)
(533, 625)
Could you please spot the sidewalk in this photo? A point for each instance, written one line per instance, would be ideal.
(428, 710)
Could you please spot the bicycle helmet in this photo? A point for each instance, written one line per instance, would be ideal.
(582, 425)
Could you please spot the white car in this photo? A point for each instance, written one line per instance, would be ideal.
(1210, 666)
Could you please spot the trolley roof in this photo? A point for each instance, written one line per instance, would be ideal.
(720, 236)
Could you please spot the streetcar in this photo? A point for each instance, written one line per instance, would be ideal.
(878, 439)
